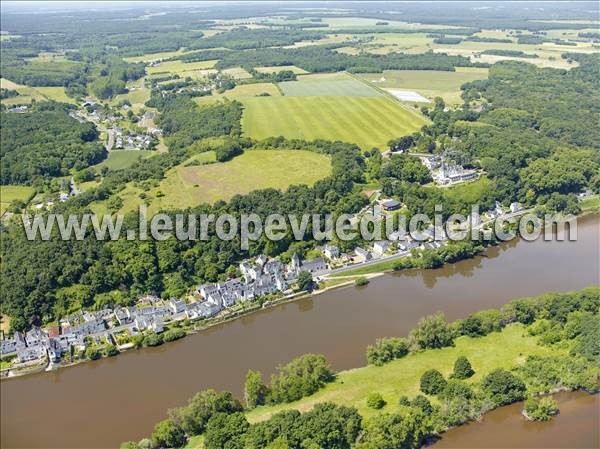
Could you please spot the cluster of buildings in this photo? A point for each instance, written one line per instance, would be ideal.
(445, 173)
(260, 277)
(131, 140)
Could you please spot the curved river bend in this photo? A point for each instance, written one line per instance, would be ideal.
(102, 403)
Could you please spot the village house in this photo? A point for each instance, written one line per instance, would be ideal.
(381, 247)
(362, 254)
(316, 267)
(391, 205)
(331, 252)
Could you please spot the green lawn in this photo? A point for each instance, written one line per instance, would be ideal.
(401, 377)
(9, 193)
(118, 159)
(189, 185)
(429, 83)
(366, 121)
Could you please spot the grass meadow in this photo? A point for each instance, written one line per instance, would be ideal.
(242, 92)
(366, 121)
(119, 159)
(180, 67)
(198, 180)
(429, 83)
(401, 377)
(10, 193)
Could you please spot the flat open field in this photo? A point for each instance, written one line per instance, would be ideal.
(149, 57)
(275, 69)
(242, 92)
(191, 185)
(9, 193)
(315, 85)
(366, 121)
(237, 73)
(180, 67)
(401, 377)
(118, 159)
(429, 83)
(40, 93)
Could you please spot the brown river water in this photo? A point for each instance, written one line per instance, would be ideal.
(102, 403)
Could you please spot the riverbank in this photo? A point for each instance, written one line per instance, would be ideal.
(338, 324)
(508, 356)
(329, 282)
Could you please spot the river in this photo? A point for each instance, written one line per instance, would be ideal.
(102, 403)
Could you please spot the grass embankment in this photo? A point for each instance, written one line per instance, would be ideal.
(401, 377)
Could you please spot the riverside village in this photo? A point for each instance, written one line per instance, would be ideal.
(260, 280)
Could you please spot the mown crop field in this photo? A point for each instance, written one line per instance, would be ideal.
(429, 83)
(180, 67)
(241, 92)
(366, 121)
(188, 185)
(10, 193)
(275, 69)
(319, 85)
(401, 377)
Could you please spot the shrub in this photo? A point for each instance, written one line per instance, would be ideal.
(168, 434)
(456, 389)
(503, 387)
(361, 281)
(173, 334)
(432, 382)
(462, 368)
(93, 353)
(541, 409)
(301, 377)
(153, 339)
(471, 326)
(111, 350)
(404, 401)
(433, 332)
(386, 349)
(423, 403)
(375, 400)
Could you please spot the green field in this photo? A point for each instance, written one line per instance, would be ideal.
(429, 83)
(189, 185)
(149, 57)
(237, 73)
(118, 159)
(242, 92)
(401, 377)
(366, 121)
(315, 85)
(10, 193)
(28, 94)
(275, 69)
(180, 67)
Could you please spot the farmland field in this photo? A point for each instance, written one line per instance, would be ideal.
(274, 69)
(10, 193)
(429, 83)
(241, 92)
(316, 85)
(118, 159)
(39, 93)
(366, 121)
(180, 67)
(188, 185)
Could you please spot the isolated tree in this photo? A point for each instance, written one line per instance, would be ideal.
(462, 368)
(168, 434)
(305, 281)
(503, 387)
(432, 382)
(254, 390)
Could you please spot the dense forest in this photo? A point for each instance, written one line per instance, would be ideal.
(45, 143)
